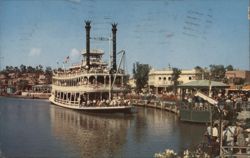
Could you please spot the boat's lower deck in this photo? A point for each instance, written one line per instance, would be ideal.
(94, 108)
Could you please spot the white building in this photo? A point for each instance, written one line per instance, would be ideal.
(160, 80)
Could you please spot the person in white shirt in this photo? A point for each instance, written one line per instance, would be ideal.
(215, 132)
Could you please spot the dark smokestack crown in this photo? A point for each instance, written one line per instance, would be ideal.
(114, 25)
(87, 24)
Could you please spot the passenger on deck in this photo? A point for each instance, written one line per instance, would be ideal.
(102, 103)
(107, 102)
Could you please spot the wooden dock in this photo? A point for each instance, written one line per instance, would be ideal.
(163, 105)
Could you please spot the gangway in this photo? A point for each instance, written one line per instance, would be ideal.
(207, 98)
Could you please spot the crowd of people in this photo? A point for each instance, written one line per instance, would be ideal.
(232, 135)
(105, 103)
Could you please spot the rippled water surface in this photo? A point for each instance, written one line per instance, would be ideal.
(35, 128)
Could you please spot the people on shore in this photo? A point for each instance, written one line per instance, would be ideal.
(208, 133)
(240, 140)
(215, 133)
(228, 135)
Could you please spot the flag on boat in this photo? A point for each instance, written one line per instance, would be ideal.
(66, 59)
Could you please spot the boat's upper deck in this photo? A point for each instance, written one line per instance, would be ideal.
(75, 73)
(96, 53)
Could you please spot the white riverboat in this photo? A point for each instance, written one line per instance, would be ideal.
(93, 85)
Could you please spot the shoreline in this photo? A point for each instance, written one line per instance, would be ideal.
(26, 97)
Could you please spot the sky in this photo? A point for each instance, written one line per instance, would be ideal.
(179, 33)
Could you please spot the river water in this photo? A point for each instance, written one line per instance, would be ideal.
(35, 128)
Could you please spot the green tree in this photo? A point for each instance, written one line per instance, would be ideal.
(9, 69)
(22, 84)
(174, 78)
(23, 68)
(229, 68)
(199, 73)
(48, 75)
(30, 69)
(17, 71)
(140, 74)
(40, 68)
(217, 72)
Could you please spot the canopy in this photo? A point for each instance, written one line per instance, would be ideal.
(203, 84)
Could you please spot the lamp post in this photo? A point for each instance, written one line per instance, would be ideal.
(221, 106)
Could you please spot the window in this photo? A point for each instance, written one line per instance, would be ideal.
(190, 78)
(159, 78)
(169, 78)
(164, 78)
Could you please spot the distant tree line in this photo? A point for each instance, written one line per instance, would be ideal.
(23, 69)
(26, 69)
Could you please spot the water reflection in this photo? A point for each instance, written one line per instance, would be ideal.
(92, 135)
(155, 130)
(35, 128)
(108, 135)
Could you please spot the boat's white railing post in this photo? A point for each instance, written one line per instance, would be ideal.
(110, 87)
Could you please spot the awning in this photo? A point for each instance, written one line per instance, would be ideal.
(203, 84)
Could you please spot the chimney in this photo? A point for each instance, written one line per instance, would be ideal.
(114, 29)
(87, 27)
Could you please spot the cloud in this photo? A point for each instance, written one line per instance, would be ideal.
(75, 54)
(34, 52)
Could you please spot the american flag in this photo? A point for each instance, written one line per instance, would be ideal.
(66, 59)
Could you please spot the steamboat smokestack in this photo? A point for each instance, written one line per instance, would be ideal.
(87, 27)
(114, 29)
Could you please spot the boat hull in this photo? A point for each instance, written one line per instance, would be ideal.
(94, 109)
